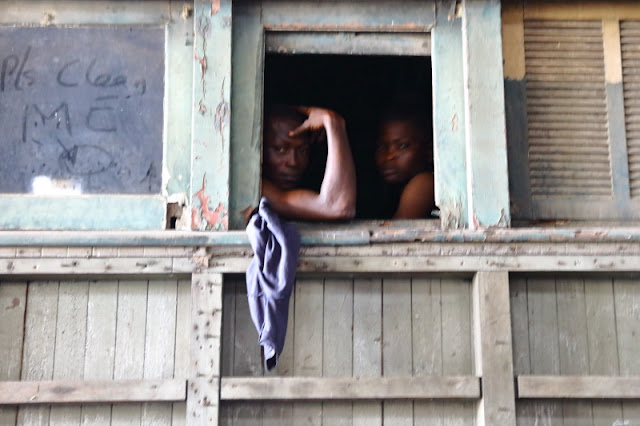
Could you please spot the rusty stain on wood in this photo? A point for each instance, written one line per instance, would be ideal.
(212, 219)
(215, 7)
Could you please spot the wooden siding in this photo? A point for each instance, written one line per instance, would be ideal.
(364, 327)
(94, 330)
(569, 326)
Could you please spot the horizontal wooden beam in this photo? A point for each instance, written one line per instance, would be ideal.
(337, 15)
(596, 10)
(360, 264)
(92, 266)
(81, 392)
(312, 388)
(349, 43)
(413, 264)
(153, 12)
(582, 387)
(358, 233)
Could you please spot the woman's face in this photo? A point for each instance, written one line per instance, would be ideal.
(401, 151)
(284, 158)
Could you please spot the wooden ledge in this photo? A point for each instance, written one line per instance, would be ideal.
(579, 387)
(351, 234)
(92, 391)
(363, 388)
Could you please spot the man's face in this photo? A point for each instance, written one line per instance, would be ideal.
(401, 151)
(284, 158)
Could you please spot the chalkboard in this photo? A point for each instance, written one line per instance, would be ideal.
(81, 110)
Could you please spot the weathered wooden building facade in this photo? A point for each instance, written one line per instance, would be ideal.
(520, 305)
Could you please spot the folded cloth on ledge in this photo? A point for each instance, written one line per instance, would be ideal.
(271, 277)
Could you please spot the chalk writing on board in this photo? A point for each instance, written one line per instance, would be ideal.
(82, 105)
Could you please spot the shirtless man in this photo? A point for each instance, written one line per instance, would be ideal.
(288, 133)
(404, 156)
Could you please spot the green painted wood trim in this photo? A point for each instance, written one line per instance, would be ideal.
(178, 93)
(246, 109)
(487, 170)
(90, 212)
(210, 115)
(449, 118)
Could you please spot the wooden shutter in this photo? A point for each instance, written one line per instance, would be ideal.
(574, 143)
(566, 110)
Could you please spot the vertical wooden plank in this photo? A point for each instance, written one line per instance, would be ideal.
(627, 305)
(486, 152)
(211, 93)
(337, 346)
(515, 98)
(457, 348)
(99, 360)
(543, 342)
(307, 353)
(182, 333)
(247, 356)
(573, 344)
(130, 342)
(493, 349)
(178, 90)
(281, 414)
(449, 118)
(426, 331)
(228, 341)
(616, 115)
(520, 337)
(246, 108)
(203, 392)
(396, 344)
(367, 344)
(160, 344)
(39, 344)
(71, 334)
(603, 343)
(13, 301)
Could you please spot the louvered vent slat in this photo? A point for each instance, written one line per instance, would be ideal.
(568, 138)
(630, 44)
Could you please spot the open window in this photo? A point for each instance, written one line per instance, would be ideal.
(353, 58)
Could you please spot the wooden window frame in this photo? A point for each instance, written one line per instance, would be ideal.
(296, 28)
(116, 211)
(470, 165)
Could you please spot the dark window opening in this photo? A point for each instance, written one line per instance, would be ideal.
(360, 88)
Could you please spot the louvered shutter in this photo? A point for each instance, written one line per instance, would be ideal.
(566, 110)
(582, 136)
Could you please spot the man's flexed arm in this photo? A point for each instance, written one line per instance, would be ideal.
(337, 196)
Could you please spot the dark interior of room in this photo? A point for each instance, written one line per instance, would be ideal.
(359, 88)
